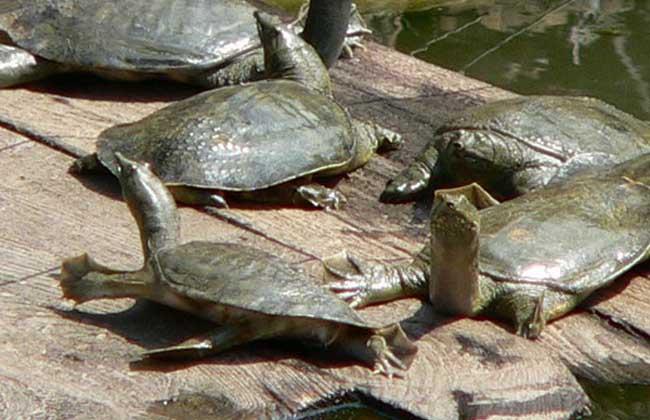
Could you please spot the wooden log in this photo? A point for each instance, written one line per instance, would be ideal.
(59, 361)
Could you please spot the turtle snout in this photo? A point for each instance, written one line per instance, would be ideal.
(390, 140)
(266, 25)
(124, 165)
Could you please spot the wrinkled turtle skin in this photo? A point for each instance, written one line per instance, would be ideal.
(208, 43)
(251, 141)
(252, 294)
(514, 146)
(528, 260)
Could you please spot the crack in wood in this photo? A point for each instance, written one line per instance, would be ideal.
(620, 324)
(30, 276)
(250, 227)
(41, 138)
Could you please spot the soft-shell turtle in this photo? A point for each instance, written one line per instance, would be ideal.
(531, 259)
(252, 141)
(253, 294)
(203, 42)
(514, 146)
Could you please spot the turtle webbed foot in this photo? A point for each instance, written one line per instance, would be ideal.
(392, 351)
(354, 288)
(321, 197)
(407, 185)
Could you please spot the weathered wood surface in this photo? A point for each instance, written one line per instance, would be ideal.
(60, 362)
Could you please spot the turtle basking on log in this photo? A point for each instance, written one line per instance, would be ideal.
(528, 260)
(201, 42)
(514, 146)
(252, 294)
(263, 141)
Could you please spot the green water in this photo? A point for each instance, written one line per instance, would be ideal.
(582, 47)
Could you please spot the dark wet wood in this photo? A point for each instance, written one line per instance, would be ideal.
(60, 362)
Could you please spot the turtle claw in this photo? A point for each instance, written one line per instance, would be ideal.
(352, 288)
(321, 197)
(386, 363)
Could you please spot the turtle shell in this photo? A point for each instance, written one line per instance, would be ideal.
(238, 138)
(573, 237)
(146, 36)
(248, 278)
(556, 126)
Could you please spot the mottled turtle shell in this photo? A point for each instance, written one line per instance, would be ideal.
(147, 36)
(238, 138)
(247, 278)
(602, 216)
(556, 126)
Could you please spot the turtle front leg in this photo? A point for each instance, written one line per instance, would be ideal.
(17, 66)
(413, 180)
(379, 283)
(248, 68)
(319, 196)
(387, 349)
(197, 196)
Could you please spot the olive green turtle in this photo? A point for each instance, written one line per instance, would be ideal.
(514, 146)
(251, 293)
(528, 260)
(263, 141)
(203, 42)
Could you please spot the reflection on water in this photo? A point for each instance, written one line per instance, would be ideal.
(580, 47)
(570, 47)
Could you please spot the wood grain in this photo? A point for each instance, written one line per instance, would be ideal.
(75, 362)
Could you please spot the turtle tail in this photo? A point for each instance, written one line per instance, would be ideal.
(82, 279)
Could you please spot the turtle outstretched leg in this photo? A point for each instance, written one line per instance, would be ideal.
(387, 349)
(83, 279)
(414, 180)
(378, 283)
(17, 66)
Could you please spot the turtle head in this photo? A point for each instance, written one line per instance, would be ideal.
(288, 56)
(476, 155)
(454, 277)
(150, 203)
(455, 222)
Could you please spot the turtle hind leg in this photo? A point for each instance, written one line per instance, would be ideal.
(82, 279)
(530, 320)
(220, 339)
(310, 195)
(17, 66)
(197, 196)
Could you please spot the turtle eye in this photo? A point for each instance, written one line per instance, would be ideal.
(451, 205)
